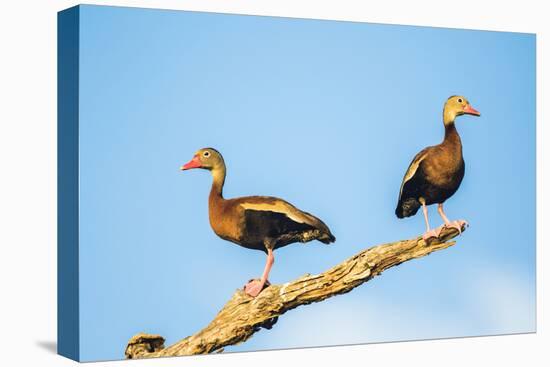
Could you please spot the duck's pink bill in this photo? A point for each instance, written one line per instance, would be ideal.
(471, 111)
(193, 163)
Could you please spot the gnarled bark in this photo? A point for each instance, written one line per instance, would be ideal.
(243, 315)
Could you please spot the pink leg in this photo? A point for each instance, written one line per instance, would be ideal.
(454, 224)
(254, 287)
(429, 232)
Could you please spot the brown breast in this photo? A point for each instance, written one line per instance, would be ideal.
(444, 162)
(226, 218)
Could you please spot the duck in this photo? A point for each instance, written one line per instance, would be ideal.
(436, 172)
(255, 222)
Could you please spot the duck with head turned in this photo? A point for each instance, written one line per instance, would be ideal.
(255, 222)
(436, 172)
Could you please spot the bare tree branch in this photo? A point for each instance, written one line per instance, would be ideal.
(243, 315)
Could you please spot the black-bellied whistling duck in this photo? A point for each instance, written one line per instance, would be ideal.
(255, 222)
(436, 172)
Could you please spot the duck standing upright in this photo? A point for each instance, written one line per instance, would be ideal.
(436, 172)
(255, 222)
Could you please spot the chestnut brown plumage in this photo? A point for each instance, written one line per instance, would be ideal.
(436, 172)
(255, 222)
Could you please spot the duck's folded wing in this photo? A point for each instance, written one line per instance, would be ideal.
(413, 169)
(275, 205)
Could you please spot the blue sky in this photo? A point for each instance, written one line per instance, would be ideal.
(326, 115)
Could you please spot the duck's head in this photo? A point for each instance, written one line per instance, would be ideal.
(457, 106)
(206, 158)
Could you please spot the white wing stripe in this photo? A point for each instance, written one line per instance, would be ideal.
(277, 207)
(411, 171)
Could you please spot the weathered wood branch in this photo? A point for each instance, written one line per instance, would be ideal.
(243, 315)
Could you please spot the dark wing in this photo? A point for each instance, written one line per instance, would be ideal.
(265, 224)
(273, 217)
(412, 175)
(413, 182)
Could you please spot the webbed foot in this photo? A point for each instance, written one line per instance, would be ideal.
(457, 224)
(433, 233)
(255, 286)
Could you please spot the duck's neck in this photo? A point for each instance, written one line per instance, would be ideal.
(216, 202)
(451, 134)
(218, 179)
(452, 139)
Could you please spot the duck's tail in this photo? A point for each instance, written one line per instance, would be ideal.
(321, 232)
(407, 207)
(327, 237)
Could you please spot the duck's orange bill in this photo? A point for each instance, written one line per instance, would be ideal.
(471, 111)
(193, 163)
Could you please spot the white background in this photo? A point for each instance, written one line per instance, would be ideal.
(28, 181)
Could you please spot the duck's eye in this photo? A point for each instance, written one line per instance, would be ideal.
(460, 100)
(206, 154)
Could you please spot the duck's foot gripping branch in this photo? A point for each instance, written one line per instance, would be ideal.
(243, 315)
